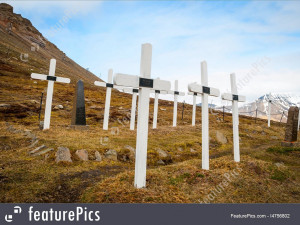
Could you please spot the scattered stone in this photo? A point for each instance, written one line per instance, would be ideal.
(4, 106)
(63, 155)
(274, 137)
(263, 133)
(130, 148)
(162, 109)
(43, 152)
(95, 107)
(37, 149)
(180, 149)
(34, 101)
(29, 134)
(82, 154)
(160, 162)
(57, 107)
(111, 154)
(193, 151)
(33, 144)
(279, 165)
(221, 137)
(162, 153)
(98, 156)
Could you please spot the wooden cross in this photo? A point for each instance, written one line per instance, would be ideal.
(109, 85)
(205, 91)
(50, 78)
(144, 83)
(175, 93)
(235, 98)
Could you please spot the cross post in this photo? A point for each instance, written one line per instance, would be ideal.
(175, 93)
(51, 78)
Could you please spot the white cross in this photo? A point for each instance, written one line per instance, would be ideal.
(109, 85)
(145, 84)
(175, 93)
(269, 110)
(50, 78)
(205, 91)
(194, 106)
(235, 98)
(134, 92)
(157, 92)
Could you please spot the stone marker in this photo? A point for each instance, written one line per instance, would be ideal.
(111, 154)
(63, 155)
(78, 112)
(82, 154)
(51, 78)
(291, 130)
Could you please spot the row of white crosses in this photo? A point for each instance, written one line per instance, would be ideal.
(144, 85)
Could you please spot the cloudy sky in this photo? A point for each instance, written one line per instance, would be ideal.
(259, 41)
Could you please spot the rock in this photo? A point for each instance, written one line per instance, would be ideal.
(160, 162)
(263, 133)
(34, 101)
(98, 156)
(274, 137)
(5, 105)
(82, 154)
(221, 137)
(29, 135)
(131, 154)
(162, 153)
(37, 149)
(120, 108)
(180, 149)
(279, 165)
(111, 154)
(63, 155)
(131, 149)
(193, 151)
(162, 109)
(57, 107)
(95, 107)
(43, 152)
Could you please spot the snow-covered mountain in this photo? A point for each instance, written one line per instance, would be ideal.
(280, 104)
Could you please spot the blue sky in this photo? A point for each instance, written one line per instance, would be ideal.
(231, 36)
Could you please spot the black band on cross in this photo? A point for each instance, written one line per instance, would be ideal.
(145, 82)
(176, 92)
(195, 93)
(205, 90)
(51, 78)
(157, 91)
(235, 97)
(109, 85)
(135, 90)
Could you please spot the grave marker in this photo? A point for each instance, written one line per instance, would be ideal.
(109, 85)
(175, 93)
(145, 84)
(269, 111)
(51, 78)
(78, 112)
(204, 91)
(291, 130)
(157, 92)
(194, 106)
(134, 92)
(235, 98)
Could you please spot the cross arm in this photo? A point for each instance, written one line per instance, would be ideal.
(176, 93)
(50, 78)
(194, 93)
(232, 97)
(194, 87)
(103, 84)
(159, 92)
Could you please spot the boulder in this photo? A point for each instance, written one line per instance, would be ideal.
(162, 153)
(111, 154)
(193, 151)
(63, 155)
(82, 154)
(98, 156)
(221, 137)
(57, 107)
(160, 162)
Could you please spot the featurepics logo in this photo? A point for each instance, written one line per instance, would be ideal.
(78, 214)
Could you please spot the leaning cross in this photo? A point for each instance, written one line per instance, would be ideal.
(50, 78)
(145, 84)
(205, 91)
(235, 98)
(175, 93)
(109, 85)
